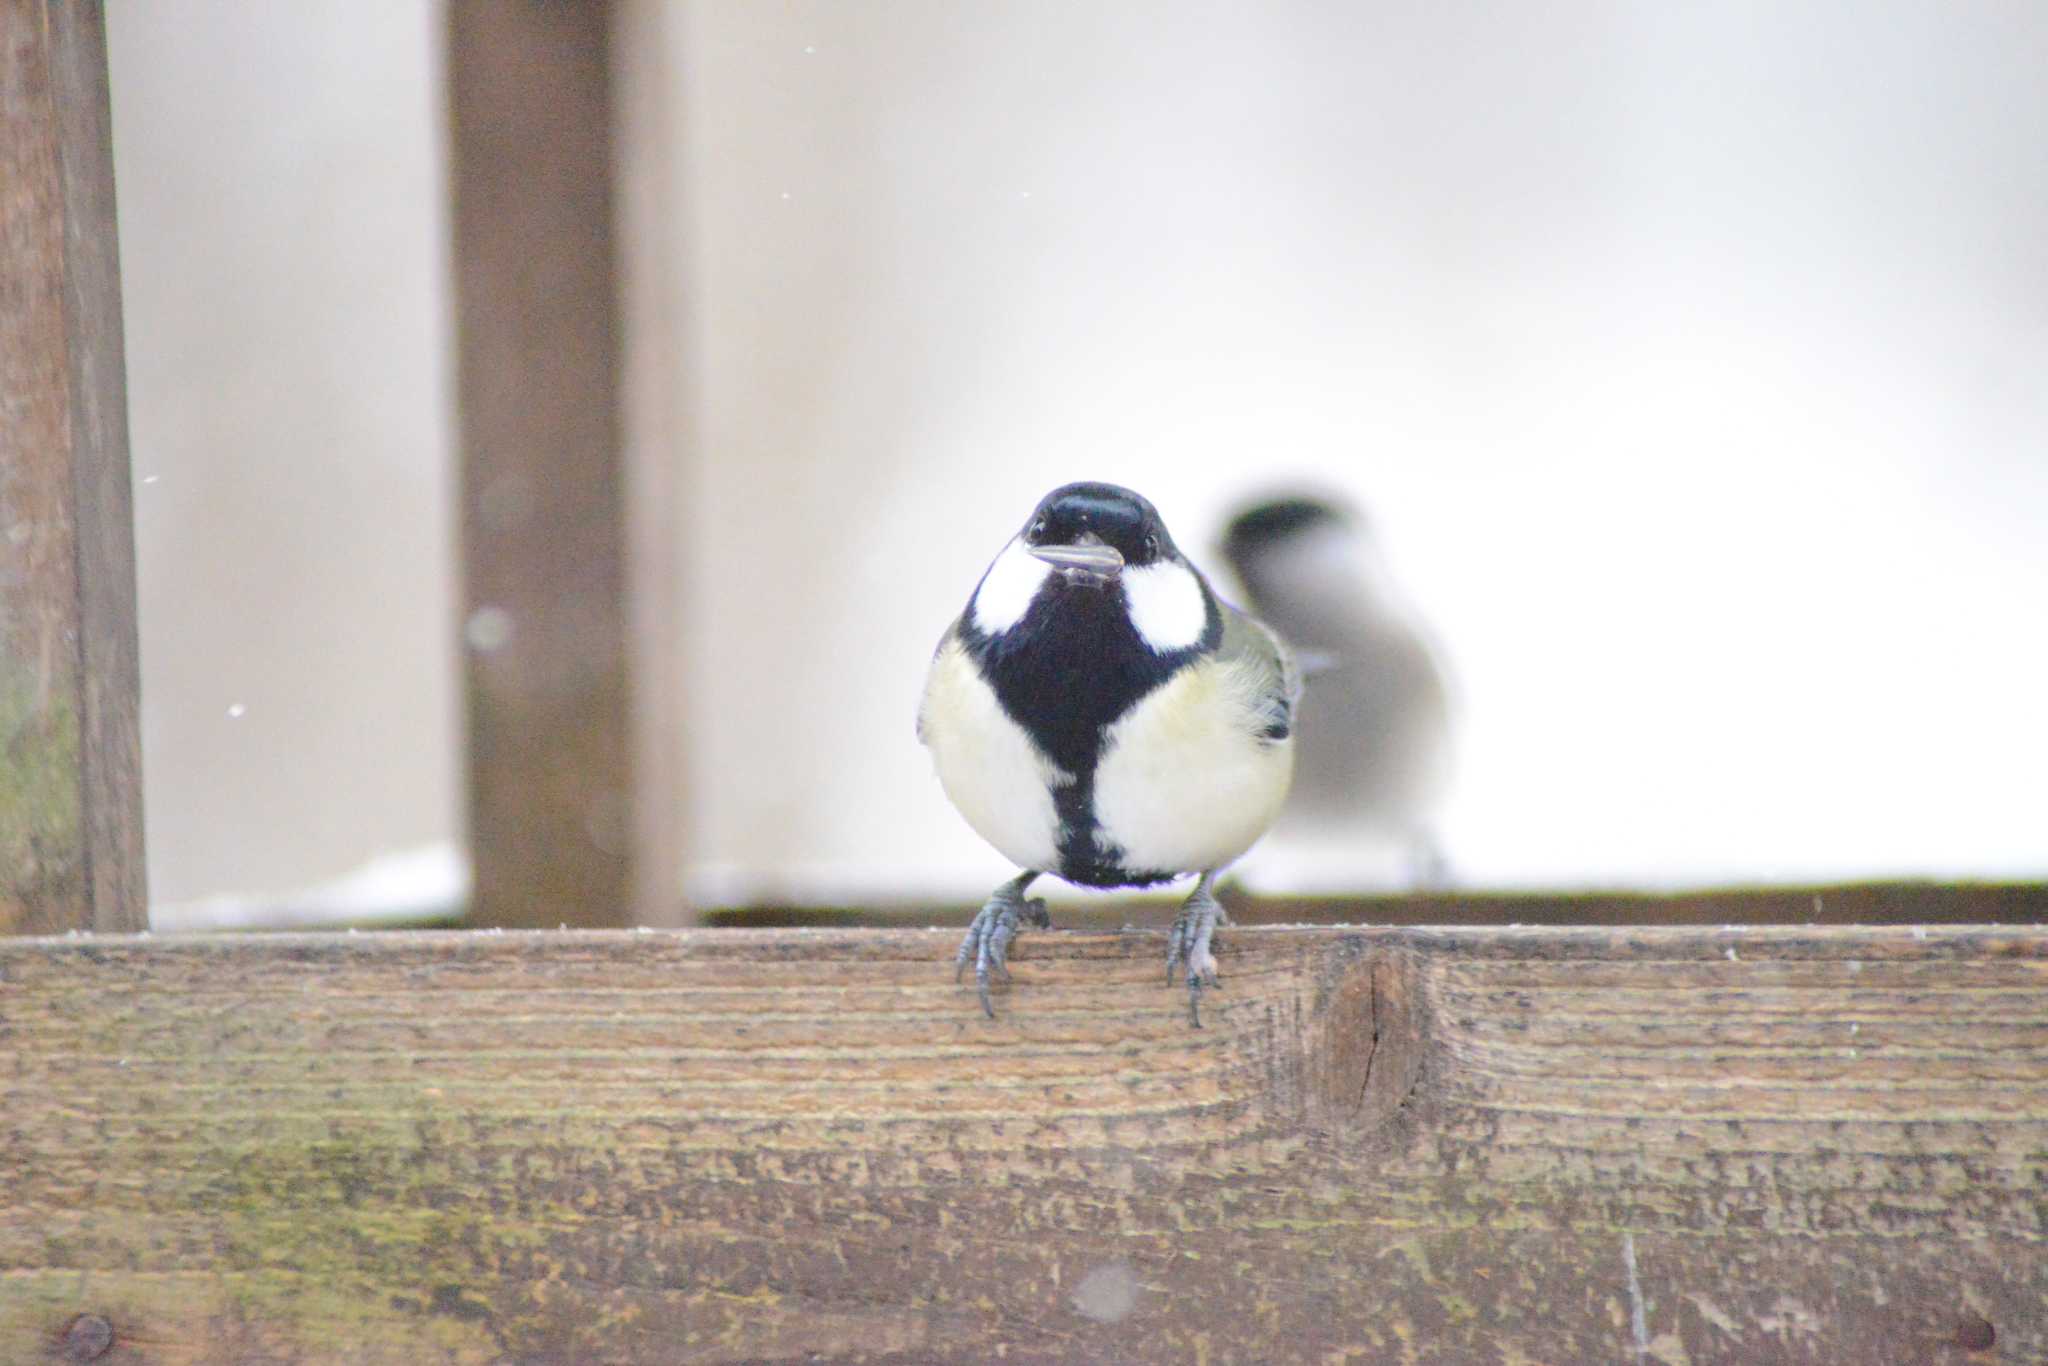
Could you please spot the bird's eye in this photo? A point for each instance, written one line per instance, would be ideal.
(1037, 532)
(1151, 547)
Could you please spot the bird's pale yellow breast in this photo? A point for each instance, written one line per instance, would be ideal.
(1187, 780)
(986, 762)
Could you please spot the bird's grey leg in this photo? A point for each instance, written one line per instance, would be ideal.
(988, 937)
(1188, 945)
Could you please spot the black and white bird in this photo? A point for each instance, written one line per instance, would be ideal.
(1098, 713)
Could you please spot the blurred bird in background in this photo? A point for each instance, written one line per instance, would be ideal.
(1375, 714)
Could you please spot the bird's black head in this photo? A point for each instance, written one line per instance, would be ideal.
(1092, 556)
(1092, 532)
(1272, 522)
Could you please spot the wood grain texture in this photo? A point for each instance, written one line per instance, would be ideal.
(70, 748)
(551, 774)
(1453, 1146)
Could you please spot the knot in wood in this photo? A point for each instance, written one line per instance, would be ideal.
(1366, 1044)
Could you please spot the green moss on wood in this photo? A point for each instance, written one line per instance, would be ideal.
(40, 838)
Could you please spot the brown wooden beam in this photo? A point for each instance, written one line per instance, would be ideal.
(1444, 1145)
(556, 818)
(71, 854)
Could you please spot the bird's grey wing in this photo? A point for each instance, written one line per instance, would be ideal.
(1251, 644)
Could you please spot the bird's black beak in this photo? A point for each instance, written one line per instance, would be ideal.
(1088, 561)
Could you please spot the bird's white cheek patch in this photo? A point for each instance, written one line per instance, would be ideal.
(1167, 605)
(1007, 589)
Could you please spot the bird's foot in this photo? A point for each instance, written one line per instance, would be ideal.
(1188, 946)
(987, 944)
(1428, 869)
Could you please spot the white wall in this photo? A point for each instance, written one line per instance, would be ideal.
(281, 199)
(1690, 359)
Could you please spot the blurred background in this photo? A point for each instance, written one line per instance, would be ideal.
(1688, 364)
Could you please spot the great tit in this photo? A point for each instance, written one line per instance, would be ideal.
(1377, 702)
(1098, 713)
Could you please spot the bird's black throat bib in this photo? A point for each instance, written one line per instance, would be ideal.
(1067, 671)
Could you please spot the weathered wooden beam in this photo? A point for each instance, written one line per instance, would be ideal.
(1561, 1145)
(556, 820)
(70, 746)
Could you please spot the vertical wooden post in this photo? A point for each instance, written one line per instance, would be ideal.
(70, 748)
(555, 812)
(645, 152)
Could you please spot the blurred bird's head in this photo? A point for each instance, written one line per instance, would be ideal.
(1310, 566)
(1281, 520)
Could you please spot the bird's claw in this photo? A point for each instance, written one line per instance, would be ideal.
(989, 936)
(1188, 947)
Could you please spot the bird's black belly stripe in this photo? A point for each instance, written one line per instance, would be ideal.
(1066, 673)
